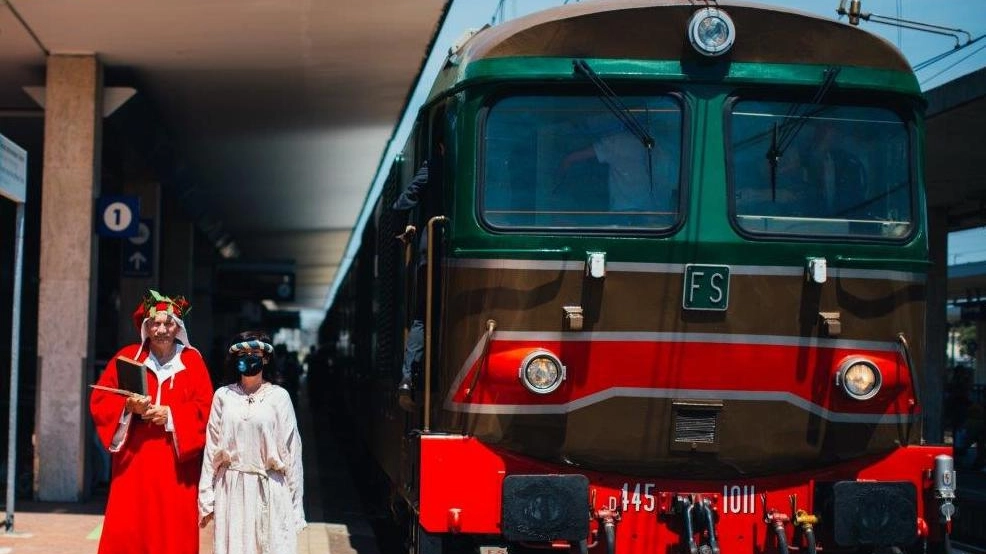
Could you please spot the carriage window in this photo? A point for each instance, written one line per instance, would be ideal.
(571, 163)
(835, 171)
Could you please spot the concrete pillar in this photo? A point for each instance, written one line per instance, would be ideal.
(936, 332)
(71, 173)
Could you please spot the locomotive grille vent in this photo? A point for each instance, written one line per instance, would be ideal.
(695, 427)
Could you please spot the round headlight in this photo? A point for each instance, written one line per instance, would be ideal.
(860, 378)
(542, 372)
(711, 31)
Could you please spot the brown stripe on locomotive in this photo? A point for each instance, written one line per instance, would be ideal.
(870, 309)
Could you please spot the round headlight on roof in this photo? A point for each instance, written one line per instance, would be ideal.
(860, 378)
(711, 31)
(542, 372)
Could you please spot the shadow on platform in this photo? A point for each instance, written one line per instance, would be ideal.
(337, 522)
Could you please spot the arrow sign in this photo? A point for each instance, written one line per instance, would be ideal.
(138, 252)
(136, 260)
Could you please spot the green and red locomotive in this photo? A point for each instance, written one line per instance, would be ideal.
(672, 283)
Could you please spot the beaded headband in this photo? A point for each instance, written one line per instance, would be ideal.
(251, 345)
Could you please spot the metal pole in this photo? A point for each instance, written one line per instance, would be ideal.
(428, 315)
(15, 347)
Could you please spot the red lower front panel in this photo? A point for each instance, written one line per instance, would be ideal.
(461, 483)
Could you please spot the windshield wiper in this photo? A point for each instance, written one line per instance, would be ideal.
(622, 112)
(782, 137)
(615, 105)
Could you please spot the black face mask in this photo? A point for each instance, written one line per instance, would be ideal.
(250, 365)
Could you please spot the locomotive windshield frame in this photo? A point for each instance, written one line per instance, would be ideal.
(835, 171)
(566, 163)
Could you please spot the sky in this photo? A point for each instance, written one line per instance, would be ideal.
(966, 247)
(918, 47)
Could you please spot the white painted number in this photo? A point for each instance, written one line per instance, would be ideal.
(739, 500)
(645, 502)
(641, 497)
(117, 216)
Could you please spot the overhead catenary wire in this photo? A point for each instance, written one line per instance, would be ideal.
(963, 39)
(498, 15)
(973, 53)
(899, 30)
(947, 53)
(953, 32)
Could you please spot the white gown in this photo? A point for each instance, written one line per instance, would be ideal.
(252, 476)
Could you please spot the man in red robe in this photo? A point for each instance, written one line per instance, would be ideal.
(156, 440)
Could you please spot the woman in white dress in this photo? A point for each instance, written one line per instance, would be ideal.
(252, 481)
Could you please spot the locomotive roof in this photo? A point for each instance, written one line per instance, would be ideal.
(633, 29)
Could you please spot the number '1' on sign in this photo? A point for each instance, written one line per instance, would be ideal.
(118, 216)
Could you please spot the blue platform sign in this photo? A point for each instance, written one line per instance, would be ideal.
(138, 251)
(117, 215)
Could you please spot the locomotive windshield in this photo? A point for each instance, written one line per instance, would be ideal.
(839, 171)
(567, 162)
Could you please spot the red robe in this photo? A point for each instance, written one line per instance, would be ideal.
(152, 505)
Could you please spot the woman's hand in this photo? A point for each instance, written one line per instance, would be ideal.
(138, 404)
(205, 521)
(156, 414)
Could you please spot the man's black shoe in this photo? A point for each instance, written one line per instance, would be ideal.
(404, 390)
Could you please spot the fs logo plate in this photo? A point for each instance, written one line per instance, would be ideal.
(706, 287)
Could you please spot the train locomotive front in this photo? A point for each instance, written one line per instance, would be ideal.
(676, 295)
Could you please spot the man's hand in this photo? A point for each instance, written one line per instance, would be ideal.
(156, 414)
(138, 404)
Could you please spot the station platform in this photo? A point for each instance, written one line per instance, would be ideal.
(336, 523)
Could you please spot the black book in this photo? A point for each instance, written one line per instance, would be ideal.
(131, 375)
